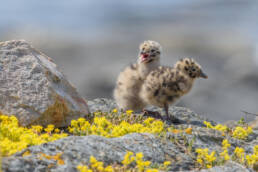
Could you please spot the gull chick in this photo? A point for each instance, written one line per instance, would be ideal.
(130, 80)
(165, 85)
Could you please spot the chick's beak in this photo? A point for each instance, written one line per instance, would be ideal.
(203, 75)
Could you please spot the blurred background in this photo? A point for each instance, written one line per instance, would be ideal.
(92, 41)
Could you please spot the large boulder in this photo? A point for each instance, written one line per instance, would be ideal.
(34, 90)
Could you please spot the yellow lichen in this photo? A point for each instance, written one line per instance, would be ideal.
(239, 132)
(56, 113)
(14, 138)
(56, 158)
(103, 127)
(129, 158)
(205, 159)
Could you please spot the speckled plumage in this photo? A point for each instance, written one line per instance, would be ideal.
(165, 85)
(130, 80)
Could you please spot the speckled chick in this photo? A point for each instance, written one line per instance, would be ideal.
(165, 85)
(130, 80)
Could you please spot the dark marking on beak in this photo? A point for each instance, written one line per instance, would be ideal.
(203, 75)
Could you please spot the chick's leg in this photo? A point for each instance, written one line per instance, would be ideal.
(171, 118)
(166, 110)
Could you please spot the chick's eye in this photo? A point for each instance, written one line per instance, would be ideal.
(193, 69)
(152, 51)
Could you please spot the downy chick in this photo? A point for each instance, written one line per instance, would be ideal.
(130, 80)
(165, 85)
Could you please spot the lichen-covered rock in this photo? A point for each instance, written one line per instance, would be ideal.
(228, 167)
(101, 104)
(186, 116)
(32, 88)
(77, 150)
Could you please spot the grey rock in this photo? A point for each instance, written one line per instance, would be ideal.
(101, 104)
(204, 138)
(77, 150)
(254, 123)
(208, 138)
(186, 116)
(34, 90)
(228, 167)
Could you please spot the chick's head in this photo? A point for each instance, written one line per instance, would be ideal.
(191, 68)
(149, 52)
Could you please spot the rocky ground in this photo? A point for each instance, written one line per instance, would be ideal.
(78, 149)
